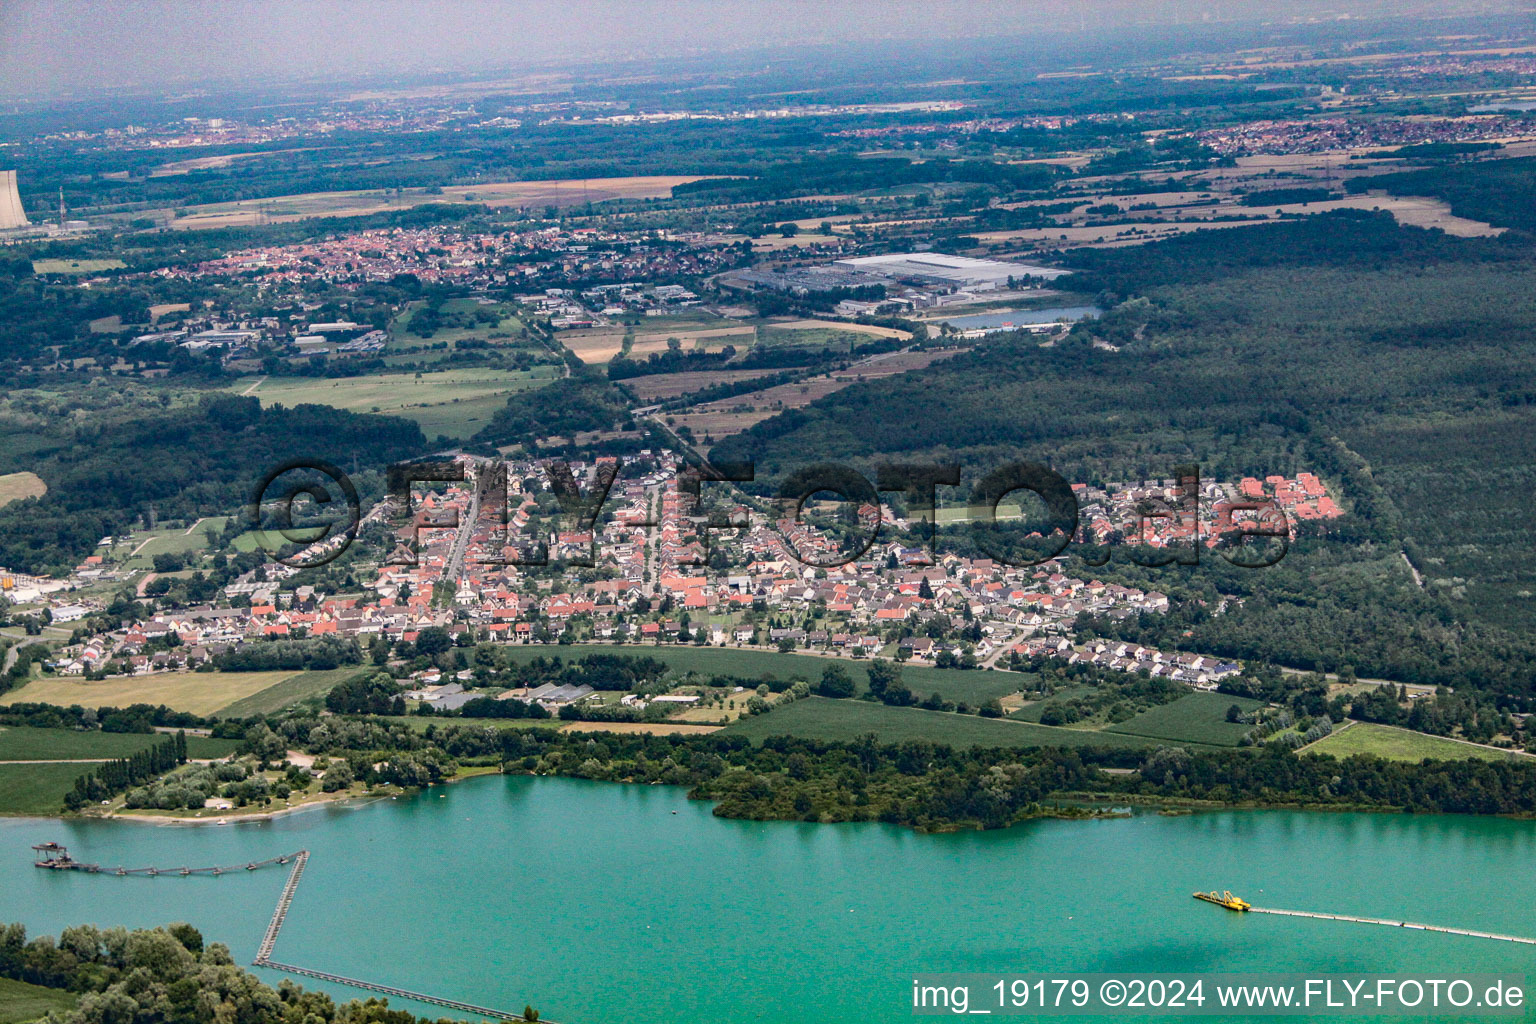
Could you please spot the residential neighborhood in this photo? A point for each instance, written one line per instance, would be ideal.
(654, 566)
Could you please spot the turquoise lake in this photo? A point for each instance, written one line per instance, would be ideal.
(612, 904)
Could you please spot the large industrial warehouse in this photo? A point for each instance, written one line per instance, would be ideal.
(940, 268)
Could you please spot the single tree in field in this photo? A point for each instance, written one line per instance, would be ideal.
(835, 682)
(883, 675)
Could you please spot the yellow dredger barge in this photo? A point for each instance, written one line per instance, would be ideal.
(1224, 899)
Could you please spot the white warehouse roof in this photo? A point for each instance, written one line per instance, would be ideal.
(942, 267)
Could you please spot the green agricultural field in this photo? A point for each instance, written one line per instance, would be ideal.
(1403, 745)
(37, 789)
(1195, 718)
(20, 1002)
(76, 266)
(453, 402)
(23, 743)
(973, 687)
(248, 541)
(289, 691)
(818, 718)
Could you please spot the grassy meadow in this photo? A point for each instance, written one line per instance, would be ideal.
(452, 402)
(76, 266)
(16, 486)
(297, 687)
(1395, 744)
(21, 1002)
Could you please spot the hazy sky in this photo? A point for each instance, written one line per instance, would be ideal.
(52, 46)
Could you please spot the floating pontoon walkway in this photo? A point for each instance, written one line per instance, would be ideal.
(280, 914)
(478, 1011)
(1394, 924)
(57, 858)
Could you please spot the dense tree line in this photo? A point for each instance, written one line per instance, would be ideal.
(135, 718)
(580, 402)
(116, 776)
(322, 653)
(164, 975)
(376, 694)
(200, 460)
(679, 361)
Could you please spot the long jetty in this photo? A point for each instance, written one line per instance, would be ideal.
(280, 914)
(57, 858)
(65, 863)
(479, 1011)
(1394, 924)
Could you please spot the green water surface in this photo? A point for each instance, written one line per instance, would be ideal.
(600, 903)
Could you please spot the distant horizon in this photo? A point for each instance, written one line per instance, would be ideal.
(136, 47)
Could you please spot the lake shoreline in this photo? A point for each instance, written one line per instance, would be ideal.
(1045, 811)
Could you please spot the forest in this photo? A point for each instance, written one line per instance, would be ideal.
(583, 401)
(104, 475)
(167, 973)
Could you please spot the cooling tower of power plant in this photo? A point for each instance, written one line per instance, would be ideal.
(11, 213)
